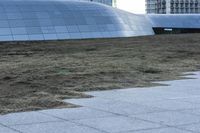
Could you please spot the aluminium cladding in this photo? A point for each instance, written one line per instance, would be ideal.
(185, 21)
(62, 19)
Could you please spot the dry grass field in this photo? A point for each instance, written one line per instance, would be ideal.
(38, 75)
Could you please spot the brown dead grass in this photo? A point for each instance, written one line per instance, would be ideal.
(38, 75)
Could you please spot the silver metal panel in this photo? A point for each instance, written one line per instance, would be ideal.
(175, 21)
(65, 19)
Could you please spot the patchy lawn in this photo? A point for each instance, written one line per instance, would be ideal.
(38, 75)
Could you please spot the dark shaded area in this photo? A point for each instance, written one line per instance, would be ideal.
(175, 30)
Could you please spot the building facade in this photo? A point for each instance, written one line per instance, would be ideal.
(107, 2)
(28, 20)
(173, 6)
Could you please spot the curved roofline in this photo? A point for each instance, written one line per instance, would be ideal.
(67, 19)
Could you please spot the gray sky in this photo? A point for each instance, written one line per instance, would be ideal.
(134, 6)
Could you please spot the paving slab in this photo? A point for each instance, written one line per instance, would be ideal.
(134, 94)
(91, 102)
(192, 127)
(190, 82)
(55, 127)
(76, 113)
(190, 99)
(118, 124)
(4, 129)
(172, 105)
(162, 130)
(25, 118)
(143, 95)
(170, 118)
(192, 111)
(116, 107)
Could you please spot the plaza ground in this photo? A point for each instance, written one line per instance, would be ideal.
(173, 108)
(39, 75)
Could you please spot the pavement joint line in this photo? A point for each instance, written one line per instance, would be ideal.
(161, 111)
(123, 115)
(179, 110)
(141, 130)
(35, 123)
(165, 124)
(131, 116)
(136, 103)
(83, 125)
(118, 114)
(192, 102)
(190, 114)
(151, 121)
(185, 129)
(77, 124)
(81, 118)
(177, 126)
(10, 128)
(159, 128)
(195, 96)
(173, 109)
(141, 104)
(188, 124)
(127, 116)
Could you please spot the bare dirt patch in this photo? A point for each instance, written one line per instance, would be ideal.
(38, 75)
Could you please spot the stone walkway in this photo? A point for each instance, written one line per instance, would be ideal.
(163, 109)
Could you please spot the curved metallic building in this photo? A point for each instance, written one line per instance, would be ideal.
(62, 19)
(184, 21)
